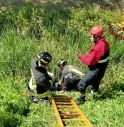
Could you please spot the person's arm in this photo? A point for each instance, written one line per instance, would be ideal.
(92, 58)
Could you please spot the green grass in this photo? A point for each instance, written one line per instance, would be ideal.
(63, 31)
(105, 110)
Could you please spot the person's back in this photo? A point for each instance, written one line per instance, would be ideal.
(70, 75)
(73, 70)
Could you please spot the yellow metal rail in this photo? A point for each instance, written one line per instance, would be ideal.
(68, 113)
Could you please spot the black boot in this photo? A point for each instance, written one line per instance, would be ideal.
(81, 99)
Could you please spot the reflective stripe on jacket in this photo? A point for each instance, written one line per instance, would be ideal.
(41, 81)
(104, 60)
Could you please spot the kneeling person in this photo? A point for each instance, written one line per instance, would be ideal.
(40, 83)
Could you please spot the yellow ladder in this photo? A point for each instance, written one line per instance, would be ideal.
(68, 113)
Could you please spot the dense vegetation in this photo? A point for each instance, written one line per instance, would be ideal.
(27, 30)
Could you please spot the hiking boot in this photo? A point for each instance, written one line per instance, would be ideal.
(81, 99)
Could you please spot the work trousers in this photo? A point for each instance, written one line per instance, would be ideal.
(92, 79)
(70, 82)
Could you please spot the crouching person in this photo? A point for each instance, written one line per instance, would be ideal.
(69, 75)
(40, 83)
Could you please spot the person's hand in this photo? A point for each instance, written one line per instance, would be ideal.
(78, 56)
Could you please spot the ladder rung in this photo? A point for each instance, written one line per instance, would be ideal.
(62, 100)
(67, 110)
(64, 103)
(71, 120)
(64, 97)
(69, 114)
(65, 106)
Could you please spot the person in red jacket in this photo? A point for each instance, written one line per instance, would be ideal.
(96, 60)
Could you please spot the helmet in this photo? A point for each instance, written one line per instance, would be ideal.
(62, 62)
(45, 57)
(96, 30)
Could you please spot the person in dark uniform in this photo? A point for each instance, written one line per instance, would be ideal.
(40, 83)
(69, 75)
(96, 60)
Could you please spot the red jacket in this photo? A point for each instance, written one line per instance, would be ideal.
(96, 52)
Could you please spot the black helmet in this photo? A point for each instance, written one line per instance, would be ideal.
(45, 57)
(62, 62)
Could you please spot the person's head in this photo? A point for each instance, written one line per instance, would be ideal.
(44, 59)
(62, 63)
(96, 32)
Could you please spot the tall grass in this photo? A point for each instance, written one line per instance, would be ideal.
(15, 53)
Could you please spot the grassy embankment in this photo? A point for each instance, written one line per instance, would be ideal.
(25, 32)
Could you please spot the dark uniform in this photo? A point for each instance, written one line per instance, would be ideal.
(97, 61)
(40, 77)
(40, 83)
